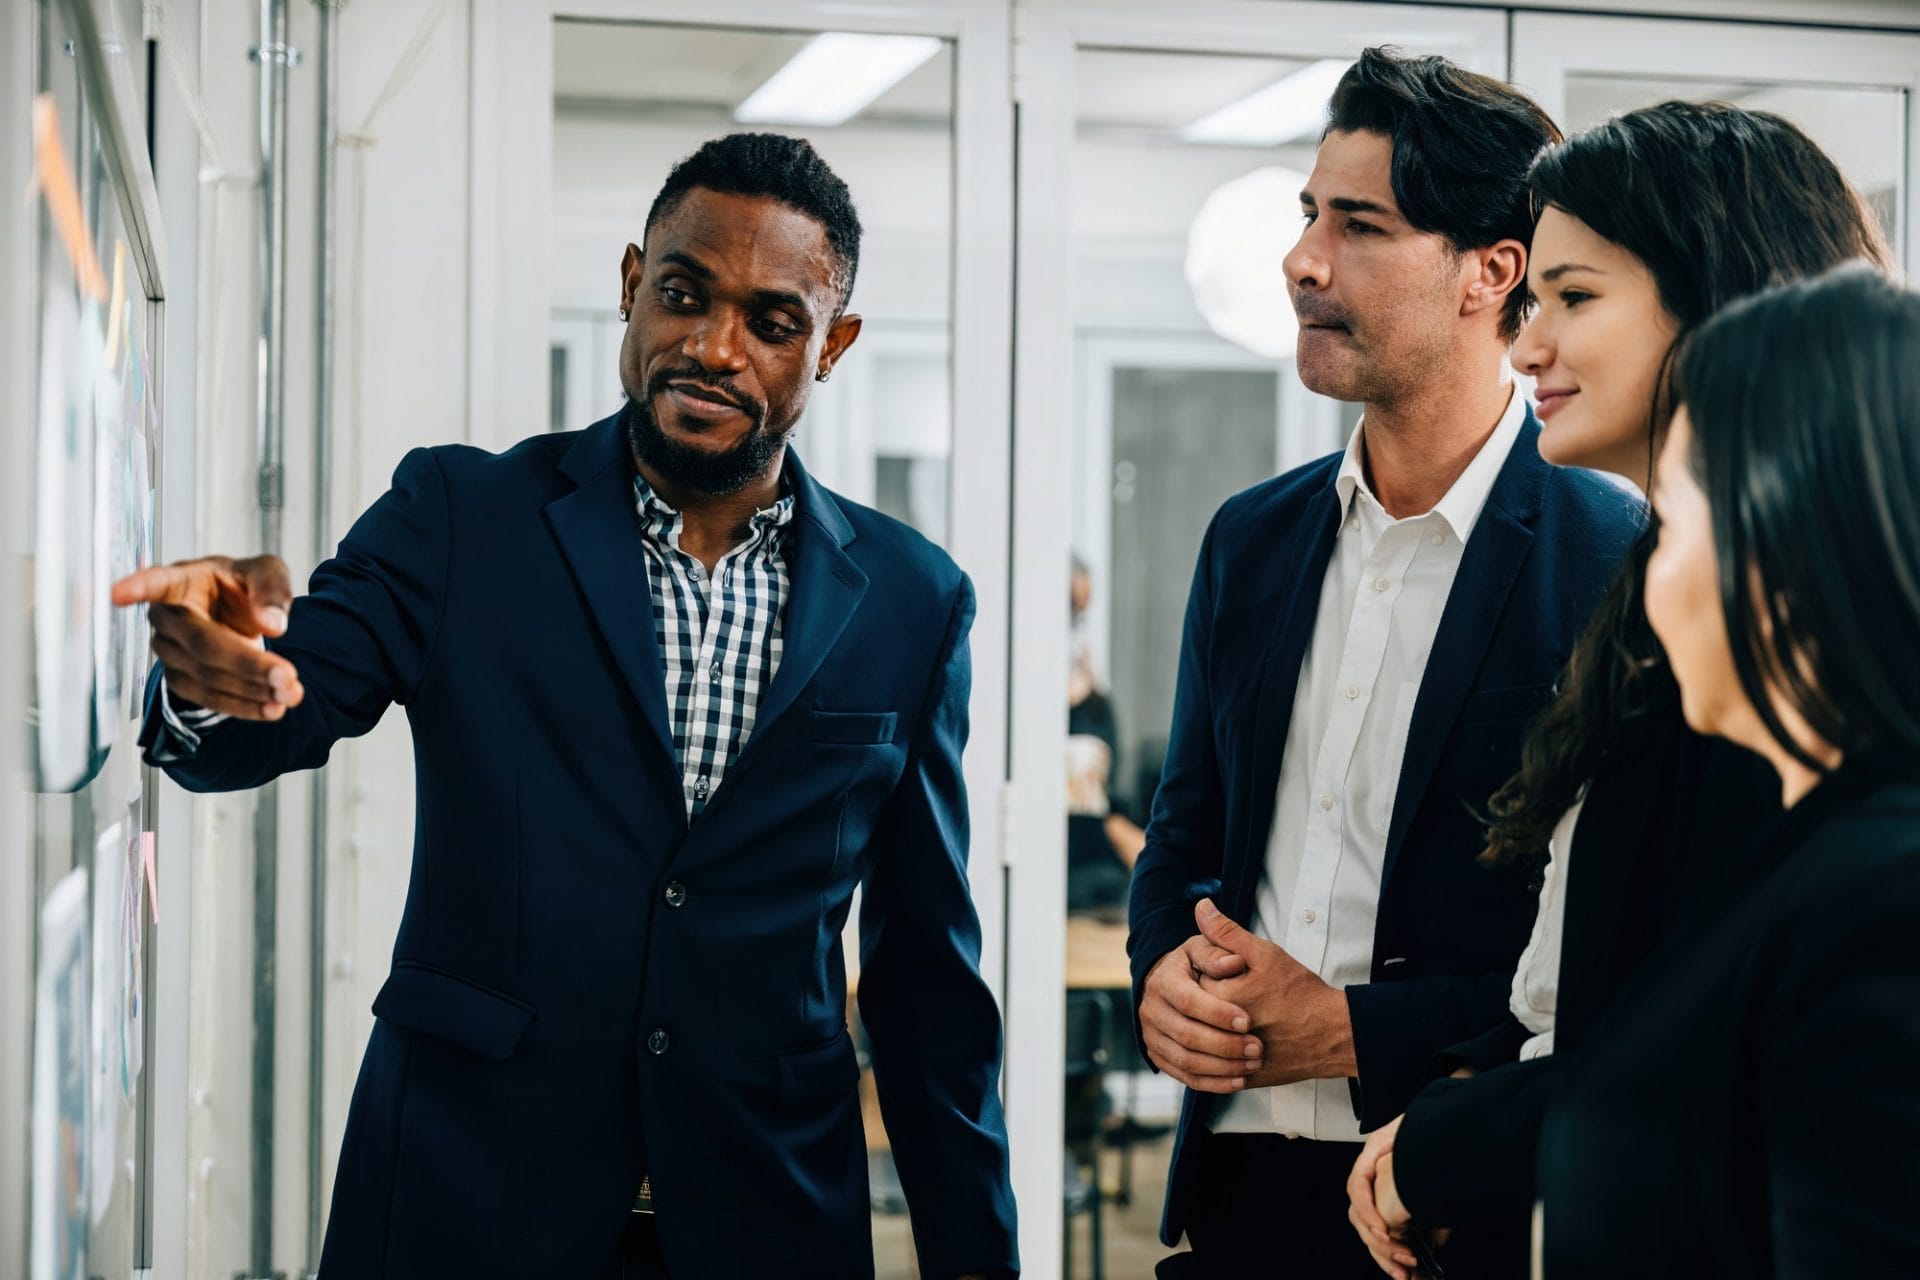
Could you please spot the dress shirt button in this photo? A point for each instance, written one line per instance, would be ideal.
(1353, 691)
(1381, 584)
(676, 894)
(657, 1041)
(714, 671)
(1437, 539)
(1326, 802)
(700, 788)
(1308, 915)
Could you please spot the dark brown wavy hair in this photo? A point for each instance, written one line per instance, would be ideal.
(1718, 203)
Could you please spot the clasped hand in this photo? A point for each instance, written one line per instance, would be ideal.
(1228, 1010)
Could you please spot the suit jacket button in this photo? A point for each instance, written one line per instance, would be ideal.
(676, 894)
(657, 1042)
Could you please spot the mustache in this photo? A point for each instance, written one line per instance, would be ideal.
(701, 380)
(1313, 310)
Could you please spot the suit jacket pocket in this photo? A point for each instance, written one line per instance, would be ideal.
(436, 1003)
(854, 728)
(818, 1074)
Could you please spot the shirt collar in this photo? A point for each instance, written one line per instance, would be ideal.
(659, 519)
(1462, 505)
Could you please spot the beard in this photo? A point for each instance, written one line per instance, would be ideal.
(689, 467)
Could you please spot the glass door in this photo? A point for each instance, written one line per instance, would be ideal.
(1162, 153)
(1851, 91)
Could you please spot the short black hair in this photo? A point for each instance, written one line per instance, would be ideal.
(1462, 145)
(782, 168)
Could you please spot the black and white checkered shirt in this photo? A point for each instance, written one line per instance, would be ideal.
(719, 635)
(719, 638)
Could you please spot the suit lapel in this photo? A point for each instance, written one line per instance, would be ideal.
(824, 588)
(598, 530)
(1489, 566)
(1308, 552)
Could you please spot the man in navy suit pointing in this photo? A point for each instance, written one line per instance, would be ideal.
(671, 703)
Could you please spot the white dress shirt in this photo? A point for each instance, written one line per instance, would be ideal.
(1536, 980)
(1386, 586)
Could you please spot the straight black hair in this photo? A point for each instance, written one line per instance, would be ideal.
(1461, 146)
(1718, 203)
(1805, 409)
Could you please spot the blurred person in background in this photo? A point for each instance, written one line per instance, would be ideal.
(1103, 843)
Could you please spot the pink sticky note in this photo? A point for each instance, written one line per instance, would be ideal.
(146, 860)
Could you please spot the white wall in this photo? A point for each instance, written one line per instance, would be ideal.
(402, 381)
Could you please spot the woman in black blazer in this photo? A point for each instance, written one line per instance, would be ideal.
(1750, 1104)
(1648, 226)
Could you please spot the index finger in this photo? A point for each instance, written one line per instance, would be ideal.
(1189, 999)
(1215, 962)
(162, 584)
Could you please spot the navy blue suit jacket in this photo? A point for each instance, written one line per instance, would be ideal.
(584, 989)
(1448, 931)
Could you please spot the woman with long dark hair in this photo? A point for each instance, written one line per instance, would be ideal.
(1650, 223)
(1750, 1106)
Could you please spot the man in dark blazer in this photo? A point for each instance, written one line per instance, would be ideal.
(1367, 638)
(672, 703)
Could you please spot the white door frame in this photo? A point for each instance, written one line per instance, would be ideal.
(1548, 48)
(1047, 36)
(1296, 412)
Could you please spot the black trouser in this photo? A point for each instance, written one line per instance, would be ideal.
(1272, 1208)
(1275, 1208)
(640, 1255)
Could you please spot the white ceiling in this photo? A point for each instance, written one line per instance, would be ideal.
(1126, 89)
(1136, 182)
(652, 69)
(642, 66)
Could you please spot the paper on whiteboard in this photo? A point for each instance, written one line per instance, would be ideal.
(103, 1074)
(59, 1182)
(64, 588)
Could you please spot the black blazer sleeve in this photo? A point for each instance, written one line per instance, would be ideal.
(361, 638)
(1497, 1046)
(1181, 861)
(932, 1023)
(1841, 1088)
(1466, 1151)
